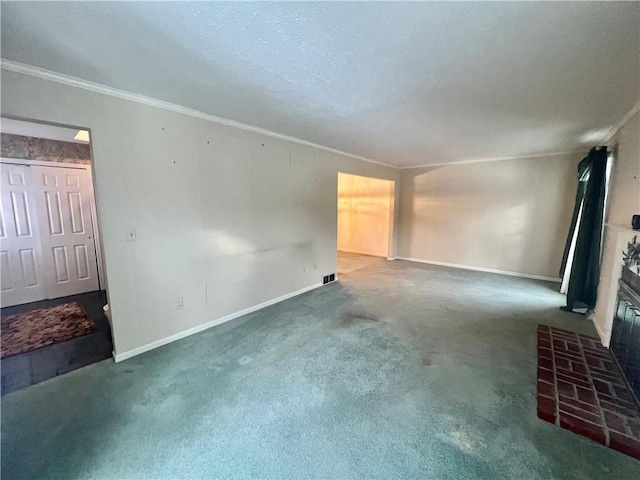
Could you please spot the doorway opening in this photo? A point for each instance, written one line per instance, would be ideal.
(53, 289)
(365, 221)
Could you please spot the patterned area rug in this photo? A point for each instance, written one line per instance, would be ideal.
(582, 389)
(28, 331)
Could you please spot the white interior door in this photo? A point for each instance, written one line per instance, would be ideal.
(63, 201)
(21, 273)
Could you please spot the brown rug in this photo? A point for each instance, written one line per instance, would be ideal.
(28, 331)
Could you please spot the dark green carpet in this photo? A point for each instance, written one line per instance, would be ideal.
(399, 371)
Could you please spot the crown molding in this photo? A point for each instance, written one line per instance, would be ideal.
(616, 128)
(496, 159)
(44, 74)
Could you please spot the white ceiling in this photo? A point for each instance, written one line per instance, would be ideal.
(39, 130)
(401, 83)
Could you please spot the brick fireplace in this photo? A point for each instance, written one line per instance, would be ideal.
(625, 337)
(587, 388)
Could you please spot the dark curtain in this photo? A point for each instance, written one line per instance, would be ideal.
(585, 270)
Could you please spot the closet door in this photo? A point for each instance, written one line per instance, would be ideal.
(21, 272)
(63, 201)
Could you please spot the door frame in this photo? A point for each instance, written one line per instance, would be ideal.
(97, 242)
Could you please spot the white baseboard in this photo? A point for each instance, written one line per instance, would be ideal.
(360, 252)
(199, 328)
(392, 258)
(482, 269)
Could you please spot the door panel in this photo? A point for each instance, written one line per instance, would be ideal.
(63, 197)
(54, 212)
(21, 271)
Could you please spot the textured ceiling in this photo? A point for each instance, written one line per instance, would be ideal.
(401, 83)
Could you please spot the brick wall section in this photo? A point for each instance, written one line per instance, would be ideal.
(582, 389)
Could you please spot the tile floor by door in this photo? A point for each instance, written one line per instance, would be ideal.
(30, 368)
(399, 370)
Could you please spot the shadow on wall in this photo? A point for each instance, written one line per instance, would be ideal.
(508, 215)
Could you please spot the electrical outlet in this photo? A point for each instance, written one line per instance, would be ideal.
(132, 236)
(179, 303)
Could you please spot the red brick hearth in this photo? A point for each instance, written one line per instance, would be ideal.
(581, 388)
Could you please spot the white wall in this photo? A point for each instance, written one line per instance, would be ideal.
(624, 202)
(225, 218)
(511, 216)
(364, 213)
(625, 177)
